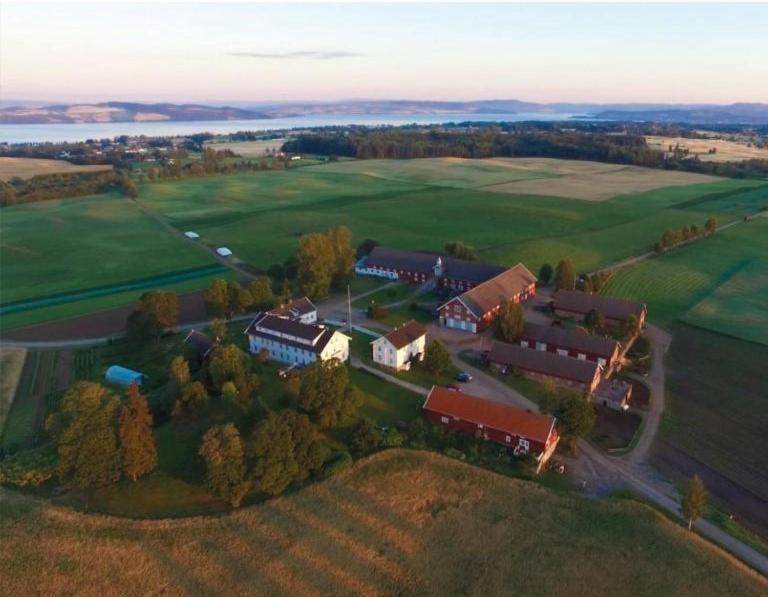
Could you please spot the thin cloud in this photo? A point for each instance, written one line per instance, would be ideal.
(307, 54)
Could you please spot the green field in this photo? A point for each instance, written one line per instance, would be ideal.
(69, 245)
(400, 522)
(718, 283)
(55, 247)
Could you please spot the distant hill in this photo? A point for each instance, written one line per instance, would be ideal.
(27, 113)
(121, 112)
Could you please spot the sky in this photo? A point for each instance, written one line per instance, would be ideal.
(678, 53)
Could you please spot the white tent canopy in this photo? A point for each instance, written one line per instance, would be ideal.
(224, 251)
(190, 234)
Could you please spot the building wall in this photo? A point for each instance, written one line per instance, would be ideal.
(561, 381)
(337, 348)
(281, 352)
(384, 353)
(570, 352)
(455, 315)
(499, 436)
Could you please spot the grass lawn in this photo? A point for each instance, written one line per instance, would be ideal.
(67, 245)
(717, 390)
(386, 403)
(391, 294)
(718, 282)
(390, 525)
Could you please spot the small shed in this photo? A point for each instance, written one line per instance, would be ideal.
(123, 376)
(224, 251)
(191, 234)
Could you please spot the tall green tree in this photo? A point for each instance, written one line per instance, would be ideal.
(218, 329)
(240, 299)
(223, 452)
(156, 312)
(509, 321)
(545, 274)
(326, 394)
(137, 443)
(340, 241)
(283, 449)
(217, 298)
(694, 501)
(594, 320)
(575, 415)
(261, 293)
(565, 278)
(316, 265)
(192, 402)
(227, 363)
(84, 431)
(178, 378)
(437, 359)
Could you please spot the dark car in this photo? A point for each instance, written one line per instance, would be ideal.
(464, 377)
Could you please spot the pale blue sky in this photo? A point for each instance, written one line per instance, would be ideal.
(254, 52)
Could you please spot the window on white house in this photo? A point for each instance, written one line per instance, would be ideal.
(444, 420)
(508, 439)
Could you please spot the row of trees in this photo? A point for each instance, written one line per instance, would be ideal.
(672, 238)
(99, 438)
(224, 299)
(58, 186)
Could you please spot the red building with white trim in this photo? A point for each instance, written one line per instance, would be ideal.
(519, 430)
(475, 309)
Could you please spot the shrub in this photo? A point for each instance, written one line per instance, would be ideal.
(30, 468)
(339, 463)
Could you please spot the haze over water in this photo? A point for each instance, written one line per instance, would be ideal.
(39, 133)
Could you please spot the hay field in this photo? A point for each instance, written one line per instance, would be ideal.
(397, 523)
(29, 167)
(727, 151)
(11, 364)
(574, 179)
(717, 282)
(250, 149)
(73, 244)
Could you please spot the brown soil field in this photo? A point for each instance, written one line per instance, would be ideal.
(400, 522)
(250, 149)
(11, 364)
(727, 151)
(29, 167)
(109, 322)
(601, 185)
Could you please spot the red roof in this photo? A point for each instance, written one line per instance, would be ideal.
(489, 413)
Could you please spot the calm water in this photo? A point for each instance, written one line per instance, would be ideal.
(35, 133)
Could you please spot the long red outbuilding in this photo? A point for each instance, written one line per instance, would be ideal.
(517, 429)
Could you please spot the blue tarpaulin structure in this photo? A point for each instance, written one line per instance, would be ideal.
(123, 376)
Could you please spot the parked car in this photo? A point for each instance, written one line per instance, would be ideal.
(463, 376)
(453, 387)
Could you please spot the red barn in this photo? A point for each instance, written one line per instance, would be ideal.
(576, 304)
(570, 343)
(475, 309)
(517, 429)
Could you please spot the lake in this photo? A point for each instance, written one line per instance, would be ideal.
(37, 133)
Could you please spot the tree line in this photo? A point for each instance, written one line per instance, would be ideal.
(485, 140)
(59, 186)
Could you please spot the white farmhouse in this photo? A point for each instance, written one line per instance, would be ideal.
(290, 341)
(401, 346)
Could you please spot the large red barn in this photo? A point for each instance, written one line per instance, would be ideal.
(517, 429)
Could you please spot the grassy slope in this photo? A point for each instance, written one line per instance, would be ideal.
(718, 391)
(399, 522)
(56, 246)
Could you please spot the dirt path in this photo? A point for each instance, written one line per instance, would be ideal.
(660, 341)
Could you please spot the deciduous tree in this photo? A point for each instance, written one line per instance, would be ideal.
(437, 359)
(694, 501)
(509, 321)
(137, 443)
(594, 320)
(227, 363)
(576, 416)
(217, 298)
(340, 240)
(459, 250)
(326, 395)
(84, 431)
(315, 265)
(192, 401)
(178, 378)
(710, 226)
(224, 456)
(545, 274)
(155, 312)
(565, 279)
(261, 293)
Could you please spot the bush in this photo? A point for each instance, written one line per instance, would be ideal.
(337, 464)
(30, 468)
(376, 311)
